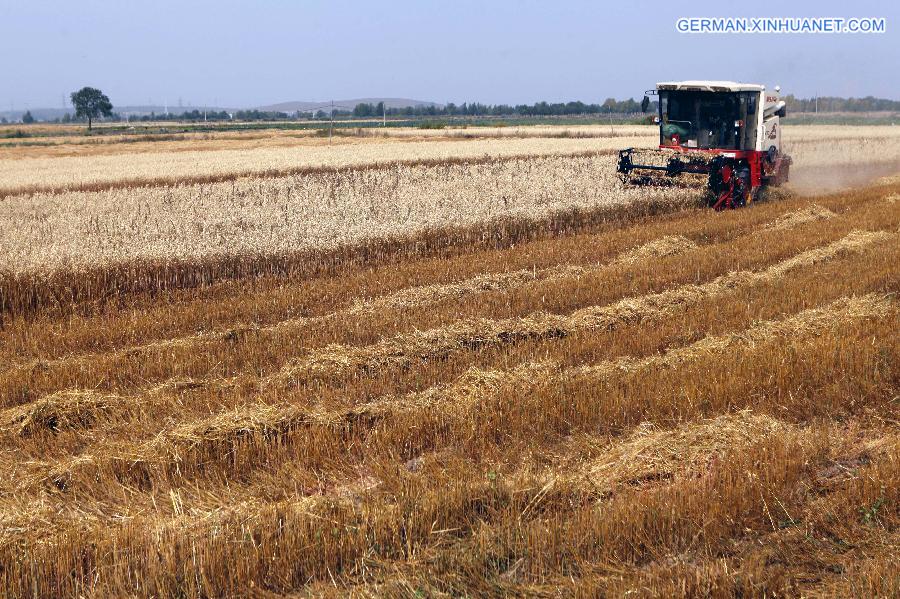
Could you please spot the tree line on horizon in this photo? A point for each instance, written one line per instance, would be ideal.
(838, 104)
(466, 109)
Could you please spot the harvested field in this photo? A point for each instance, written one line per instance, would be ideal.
(439, 343)
(467, 377)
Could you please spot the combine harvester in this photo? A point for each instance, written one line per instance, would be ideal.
(725, 132)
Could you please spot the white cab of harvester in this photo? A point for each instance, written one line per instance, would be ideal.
(770, 106)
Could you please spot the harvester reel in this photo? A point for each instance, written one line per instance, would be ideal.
(660, 168)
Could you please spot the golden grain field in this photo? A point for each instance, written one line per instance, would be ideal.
(277, 215)
(487, 373)
(170, 168)
(186, 162)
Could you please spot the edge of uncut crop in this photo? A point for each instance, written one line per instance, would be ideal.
(86, 288)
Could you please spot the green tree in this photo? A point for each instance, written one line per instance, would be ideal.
(27, 118)
(363, 110)
(91, 103)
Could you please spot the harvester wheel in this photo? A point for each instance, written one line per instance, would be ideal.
(730, 187)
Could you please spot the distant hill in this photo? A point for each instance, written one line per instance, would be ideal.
(303, 106)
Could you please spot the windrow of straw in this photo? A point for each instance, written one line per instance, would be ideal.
(670, 245)
(59, 411)
(234, 435)
(811, 213)
(808, 322)
(436, 344)
(477, 383)
(75, 409)
(431, 294)
(651, 453)
(654, 454)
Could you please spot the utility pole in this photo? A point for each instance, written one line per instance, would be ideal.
(817, 102)
(383, 114)
(331, 129)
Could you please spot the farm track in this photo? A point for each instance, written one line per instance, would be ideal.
(698, 397)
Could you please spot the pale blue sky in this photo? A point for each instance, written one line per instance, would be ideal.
(250, 53)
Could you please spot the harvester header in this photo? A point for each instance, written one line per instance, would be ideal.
(727, 132)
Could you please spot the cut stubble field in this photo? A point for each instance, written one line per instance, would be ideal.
(585, 392)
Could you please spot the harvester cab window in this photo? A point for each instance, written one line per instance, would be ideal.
(701, 119)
